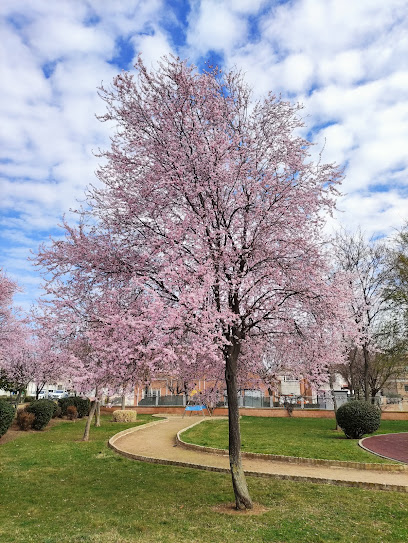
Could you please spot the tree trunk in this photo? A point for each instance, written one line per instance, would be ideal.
(123, 402)
(366, 373)
(242, 497)
(89, 420)
(331, 384)
(98, 413)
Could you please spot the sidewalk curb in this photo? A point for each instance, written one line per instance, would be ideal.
(291, 459)
(297, 478)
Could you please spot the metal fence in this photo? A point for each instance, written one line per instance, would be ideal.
(320, 401)
(170, 400)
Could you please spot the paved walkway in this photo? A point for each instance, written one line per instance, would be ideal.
(393, 446)
(156, 442)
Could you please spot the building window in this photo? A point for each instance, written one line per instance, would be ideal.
(406, 388)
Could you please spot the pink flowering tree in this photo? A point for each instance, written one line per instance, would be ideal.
(49, 353)
(101, 330)
(16, 359)
(18, 362)
(8, 327)
(210, 205)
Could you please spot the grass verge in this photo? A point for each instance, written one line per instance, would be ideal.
(57, 489)
(308, 438)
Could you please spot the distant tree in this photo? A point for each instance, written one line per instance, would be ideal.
(8, 327)
(398, 285)
(5, 384)
(48, 351)
(211, 208)
(16, 357)
(367, 264)
(18, 364)
(386, 365)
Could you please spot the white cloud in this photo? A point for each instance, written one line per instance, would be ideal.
(152, 47)
(338, 141)
(212, 26)
(347, 61)
(54, 56)
(246, 6)
(377, 212)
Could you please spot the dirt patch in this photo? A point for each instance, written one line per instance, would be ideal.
(229, 509)
(13, 434)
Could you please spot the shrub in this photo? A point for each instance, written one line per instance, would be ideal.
(29, 399)
(72, 412)
(8, 399)
(6, 416)
(124, 416)
(82, 405)
(54, 405)
(25, 419)
(43, 411)
(357, 418)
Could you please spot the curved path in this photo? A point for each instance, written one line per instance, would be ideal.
(156, 442)
(391, 446)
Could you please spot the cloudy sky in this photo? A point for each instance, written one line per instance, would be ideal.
(346, 61)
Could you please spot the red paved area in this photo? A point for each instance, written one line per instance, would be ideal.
(394, 446)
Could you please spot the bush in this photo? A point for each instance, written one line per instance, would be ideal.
(29, 399)
(72, 412)
(8, 399)
(6, 416)
(25, 419)
(42, 411)
(124, 416)
(64, 403)
(82, 404)
(357, 418)
(54, 405)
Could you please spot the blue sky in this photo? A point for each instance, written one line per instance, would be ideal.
(346, 61)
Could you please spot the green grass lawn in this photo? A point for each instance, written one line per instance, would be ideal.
(56, 489)
(309, 438)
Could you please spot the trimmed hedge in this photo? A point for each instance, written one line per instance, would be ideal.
(6, 416)
(357, 418)
(43, 411)
(124, 416)
(82, 405)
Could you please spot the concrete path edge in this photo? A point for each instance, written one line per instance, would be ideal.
(293, 459)
(298, 478)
